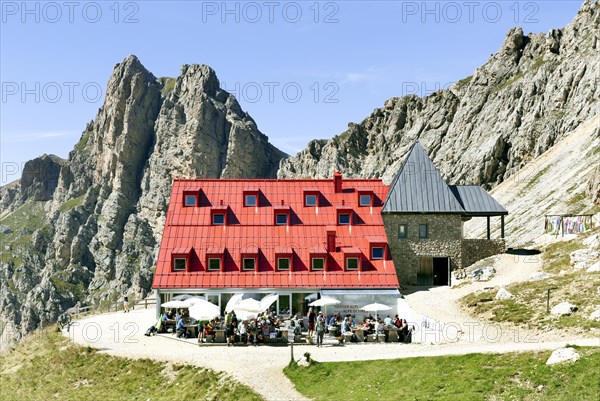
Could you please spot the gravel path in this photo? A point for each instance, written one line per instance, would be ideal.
(122, 334)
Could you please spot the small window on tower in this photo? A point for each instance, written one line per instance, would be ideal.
(402, 231)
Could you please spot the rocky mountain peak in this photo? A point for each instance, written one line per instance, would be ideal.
(196, 78)
(99, 214)
(527, 96)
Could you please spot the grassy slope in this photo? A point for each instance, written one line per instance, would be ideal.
(49, 366)
(529, 305)
(30, 217)
(462, 378)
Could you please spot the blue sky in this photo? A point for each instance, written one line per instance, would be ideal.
(302, 69)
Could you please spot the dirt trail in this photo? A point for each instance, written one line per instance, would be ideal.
(261, 367)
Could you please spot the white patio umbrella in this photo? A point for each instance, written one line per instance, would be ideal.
(194, 300)
(204, 310)
(244, 315)
(233, 301)
(268, 300)
(312, 296)
(248, 305)
(325, 301)
(375, 308)
(175, 304)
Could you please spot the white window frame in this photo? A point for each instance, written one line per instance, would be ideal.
(185, 200)
(289, 264)
(312, 264)
(281, 214)
(405, 231)
(306, 203)
(244, 264)
(360, 200)
(175, 269)
(208, 264)
(250, 196)
(357, 263)
(426, 231)
(215, 215)
(340, 219)
(373, 251)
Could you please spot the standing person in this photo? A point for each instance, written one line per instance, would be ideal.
(125, 302)
(311, 323)
(234, 326)
(228, 328)
(320, 327)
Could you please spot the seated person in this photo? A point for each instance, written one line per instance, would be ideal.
(388, 321)
(345, 325)
(181, 328)
(209, 329)
(243, 331)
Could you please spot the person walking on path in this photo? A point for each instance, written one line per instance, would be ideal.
(125, 302)
(311, 315)
(320, 327)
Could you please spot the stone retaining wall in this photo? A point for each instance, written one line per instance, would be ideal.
(474, 250)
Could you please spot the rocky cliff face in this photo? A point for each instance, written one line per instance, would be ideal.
(484, 128)
(86, 229)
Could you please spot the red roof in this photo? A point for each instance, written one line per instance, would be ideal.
(250, 230)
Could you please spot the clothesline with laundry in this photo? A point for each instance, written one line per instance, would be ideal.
(567, 224)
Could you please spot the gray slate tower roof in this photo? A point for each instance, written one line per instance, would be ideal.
(419, 188)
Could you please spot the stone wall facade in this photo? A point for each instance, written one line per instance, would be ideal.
(473, 250)
(444, 240)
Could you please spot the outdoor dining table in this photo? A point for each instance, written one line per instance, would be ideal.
(393, 335)
(219, 335)
(360, 334)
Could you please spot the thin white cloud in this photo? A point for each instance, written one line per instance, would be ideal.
(26, 137)
(357, 77)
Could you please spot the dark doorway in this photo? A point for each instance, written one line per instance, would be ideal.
(441, 271)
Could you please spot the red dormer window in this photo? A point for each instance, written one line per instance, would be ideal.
(180, 258)
(311, 197)
(282, 215)
(283, 256)
(218, 215)
(251, 197)
(249, 258)
(318, 259)
(377, 248)
(215, 256)
(190, 198)
(344, 215)
(352, 258)
(365, 197)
